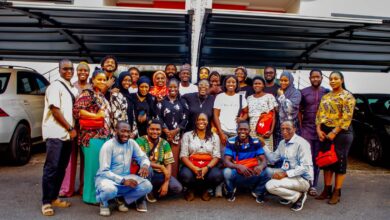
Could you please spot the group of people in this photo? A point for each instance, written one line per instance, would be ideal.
(142, 139)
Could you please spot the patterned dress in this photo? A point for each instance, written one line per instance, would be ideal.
(121, 109)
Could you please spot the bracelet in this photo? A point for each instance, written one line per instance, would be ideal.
(334, 132)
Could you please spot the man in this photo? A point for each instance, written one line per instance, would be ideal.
(58, 132)
(161, 157)
(185, 85)
(109, 65)
(171, 71)
(238, 149)
(269, 76)
(291, 181)
(311, 97)
(113, 179)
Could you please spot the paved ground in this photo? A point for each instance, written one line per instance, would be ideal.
(366, 195)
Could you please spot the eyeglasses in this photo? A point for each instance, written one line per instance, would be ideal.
(67, 68)
(270, 72)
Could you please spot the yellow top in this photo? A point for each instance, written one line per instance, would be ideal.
(336, 110)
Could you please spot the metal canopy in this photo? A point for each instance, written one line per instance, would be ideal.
(50, 33)
(255, 39)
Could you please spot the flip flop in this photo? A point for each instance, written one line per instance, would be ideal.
(60, 203)
(47, 210)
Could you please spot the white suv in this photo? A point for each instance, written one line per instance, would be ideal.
(22, 94)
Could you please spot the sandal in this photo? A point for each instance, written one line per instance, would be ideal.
(60, 203)
(47, 210)
(313, 191)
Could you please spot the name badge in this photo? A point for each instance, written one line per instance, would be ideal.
(286, 165)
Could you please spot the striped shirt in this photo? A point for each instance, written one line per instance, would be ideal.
(252, 149)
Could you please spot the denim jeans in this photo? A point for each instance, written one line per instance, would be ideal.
(57, 158)
(107, 189)
(233, 179)
(157, 180)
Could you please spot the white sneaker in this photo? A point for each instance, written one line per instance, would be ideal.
(218, 191)
(104, 211)
(122, 207)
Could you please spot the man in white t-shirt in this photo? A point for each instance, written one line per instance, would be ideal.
(58, 132)
(185, 85)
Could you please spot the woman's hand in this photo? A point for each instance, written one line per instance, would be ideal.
(141, 118)
(267, 134)
(223, 138)
(331, 136)
(321, 135)
(204, 171)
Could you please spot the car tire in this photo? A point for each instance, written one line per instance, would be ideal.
(373, 150)
(20, 145)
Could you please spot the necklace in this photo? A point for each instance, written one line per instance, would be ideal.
(201, 103)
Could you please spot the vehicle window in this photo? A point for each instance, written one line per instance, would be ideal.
(4, 77)
(380, 106)
(360, 105)
(41, 83)
(26, 83)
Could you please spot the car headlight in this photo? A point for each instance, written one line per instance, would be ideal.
(387, 128)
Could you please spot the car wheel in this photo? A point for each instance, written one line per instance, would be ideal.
(373, 149)
(20, 146)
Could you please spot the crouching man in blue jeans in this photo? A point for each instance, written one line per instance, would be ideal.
(292, 180)
(245, 162)
(113, 180)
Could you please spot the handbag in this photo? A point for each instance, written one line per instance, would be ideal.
(134, 167)
(89, 124)
(200, 160)
(326, 158)
(249, 163)
(264, 123)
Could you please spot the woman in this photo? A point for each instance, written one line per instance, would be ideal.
(144, 105)
(288, 99)
(91, 107)
(121, 104)
(200, 153)
(242, 76)
(159, 89)
(173, 112)
(229, 108)
(199, 102)
(204, 73)
(333, 122)
(215, 83)
(68, 184)
(134, 73)
(260, 103)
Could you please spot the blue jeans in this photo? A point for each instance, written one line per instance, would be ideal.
(233, 179)
(107, 189)
(57, 158)
(157, 180)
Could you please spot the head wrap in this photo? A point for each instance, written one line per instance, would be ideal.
(119, 80)
(159, 91)
(143, 79)
(85, 64)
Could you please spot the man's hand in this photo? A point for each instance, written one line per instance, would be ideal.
(244, 170)
(110, 82)
(141, 118)
(257, 170)
(164, 189)
(223, 138)
(144, 171)
(114, 90)
(72, 134)
(279, 175)
(280, 92)
(131, 183)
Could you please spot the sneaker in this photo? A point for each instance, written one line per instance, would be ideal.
(150, 197)
(284, 201)
(254, 195)
(260, 198)
(231, 195)
(218, 191)
(104, 211)
(141, 206)
(122, 206)
(298, 205)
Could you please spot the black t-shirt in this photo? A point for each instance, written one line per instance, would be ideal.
(247, 91)
(272, 89)
(196, 106)
(147, 106)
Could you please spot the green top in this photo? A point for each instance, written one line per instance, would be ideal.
(162, 153)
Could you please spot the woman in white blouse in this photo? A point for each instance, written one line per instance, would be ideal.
(200, 154)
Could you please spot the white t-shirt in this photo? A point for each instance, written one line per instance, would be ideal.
(229, 106)
(133, 90)
(58, 96)
(189, 89)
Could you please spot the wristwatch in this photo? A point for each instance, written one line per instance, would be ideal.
(70, 129)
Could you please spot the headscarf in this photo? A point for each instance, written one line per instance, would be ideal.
(142, 79)
(159, 91)
(126, 94)
(83, 64)
(291, 92)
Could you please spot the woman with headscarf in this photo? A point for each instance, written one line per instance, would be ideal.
(121, 105)
(173, 112)
(93, 112)
(289, 99)
(144, 105)
(159, 89)
(242, 76)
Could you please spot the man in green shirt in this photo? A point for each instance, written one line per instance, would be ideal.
(161, 159)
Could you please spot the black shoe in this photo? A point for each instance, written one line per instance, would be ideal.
(150, 197)
(298, 205)
(260, 198)
(141, 205)
(284, 201)
(231, 195)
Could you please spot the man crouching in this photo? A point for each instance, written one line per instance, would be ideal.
(113, 180)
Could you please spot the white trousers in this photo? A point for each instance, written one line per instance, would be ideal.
(288, 188)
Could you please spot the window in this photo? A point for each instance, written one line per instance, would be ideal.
(26, 83)
(4, 77)
(42, 84)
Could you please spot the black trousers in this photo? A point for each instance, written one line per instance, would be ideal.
(57, 158)
(212, 178)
